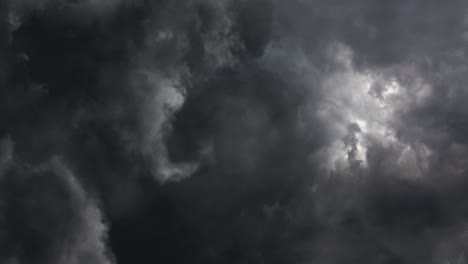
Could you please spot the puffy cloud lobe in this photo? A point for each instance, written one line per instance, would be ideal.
(47, 216)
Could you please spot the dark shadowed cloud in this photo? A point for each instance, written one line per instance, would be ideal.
(233, 131)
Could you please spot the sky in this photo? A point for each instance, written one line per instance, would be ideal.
(233, 131)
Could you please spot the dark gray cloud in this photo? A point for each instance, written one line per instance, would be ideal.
(46, 215)
(245, 131)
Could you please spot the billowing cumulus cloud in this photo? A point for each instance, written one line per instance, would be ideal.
(247, 131)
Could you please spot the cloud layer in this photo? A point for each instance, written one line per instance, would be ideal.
(233, 131)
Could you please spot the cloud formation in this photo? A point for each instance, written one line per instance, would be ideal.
(46, 215)
(234, 131)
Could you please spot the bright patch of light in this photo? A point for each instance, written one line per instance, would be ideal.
(348, 100)
(391, 89)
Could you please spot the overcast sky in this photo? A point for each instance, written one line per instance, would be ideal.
(234, 131)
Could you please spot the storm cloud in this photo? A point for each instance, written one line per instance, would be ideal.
(233, 131)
